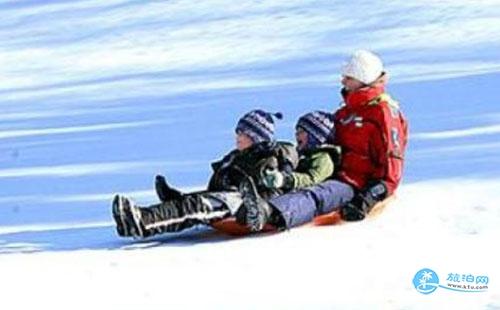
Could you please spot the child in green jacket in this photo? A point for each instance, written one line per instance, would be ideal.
(316, 164)
(316, 161)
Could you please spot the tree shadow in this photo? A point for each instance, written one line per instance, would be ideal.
(101, 238)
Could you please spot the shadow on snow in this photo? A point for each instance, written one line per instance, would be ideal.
(101, 238)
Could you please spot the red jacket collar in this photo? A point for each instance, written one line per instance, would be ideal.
(361, 96)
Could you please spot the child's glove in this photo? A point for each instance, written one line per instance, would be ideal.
(272, 178)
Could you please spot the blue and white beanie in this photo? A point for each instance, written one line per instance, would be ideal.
(318, 125)
(258, 125)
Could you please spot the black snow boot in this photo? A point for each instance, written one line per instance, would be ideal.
(363, 202)
(255, 212)
(127, 217)
(164, 191)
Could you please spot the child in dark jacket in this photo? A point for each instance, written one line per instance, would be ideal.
(256, 151)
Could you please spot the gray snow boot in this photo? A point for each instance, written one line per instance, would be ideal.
(256, 212)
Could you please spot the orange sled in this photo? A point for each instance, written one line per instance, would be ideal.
(229, 226)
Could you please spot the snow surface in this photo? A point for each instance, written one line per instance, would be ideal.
(99, 96)
(436, 224)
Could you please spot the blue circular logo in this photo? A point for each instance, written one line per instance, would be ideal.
(426, 281)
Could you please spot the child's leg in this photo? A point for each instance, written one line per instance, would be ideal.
(331, 195)
(191, 210)
(300, 207)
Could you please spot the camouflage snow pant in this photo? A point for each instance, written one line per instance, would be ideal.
(192, 209)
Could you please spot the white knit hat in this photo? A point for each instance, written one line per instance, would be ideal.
(363, 66)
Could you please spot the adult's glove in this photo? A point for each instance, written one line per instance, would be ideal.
(363, 202)
(272, 178)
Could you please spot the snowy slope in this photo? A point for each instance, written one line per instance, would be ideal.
(98, 97)
(359, 266)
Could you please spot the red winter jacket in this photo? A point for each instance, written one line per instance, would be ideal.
(373, 134)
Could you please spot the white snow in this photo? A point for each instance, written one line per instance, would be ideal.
(66, 130)
(164, 36)
(449, 226)
(91, 168)
(99, 96)
(458, 133)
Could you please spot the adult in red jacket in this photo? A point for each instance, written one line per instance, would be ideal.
(372, 133)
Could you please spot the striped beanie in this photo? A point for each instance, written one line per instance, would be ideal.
(318, 125)
(258, 125)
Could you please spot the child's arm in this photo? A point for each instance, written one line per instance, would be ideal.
(313, 170)
(319, 168)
